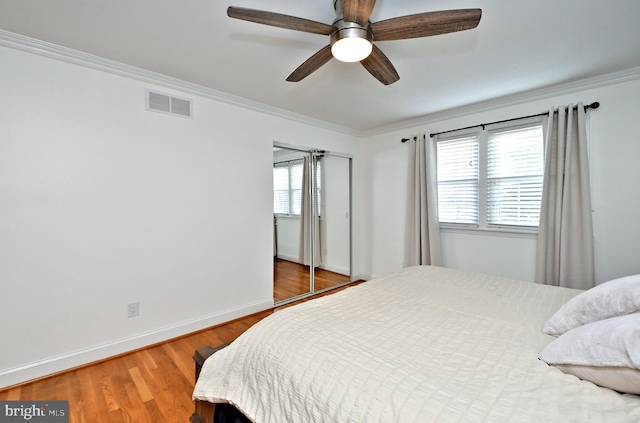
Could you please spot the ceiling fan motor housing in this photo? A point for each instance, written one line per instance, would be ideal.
(359, 38)
(351, 41)
(350, 30)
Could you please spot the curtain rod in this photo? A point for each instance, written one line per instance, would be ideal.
(593, 105)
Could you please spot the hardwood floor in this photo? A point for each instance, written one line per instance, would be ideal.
(292, 279)
(151, 385)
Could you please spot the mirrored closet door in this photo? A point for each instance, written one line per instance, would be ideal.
(312, 221)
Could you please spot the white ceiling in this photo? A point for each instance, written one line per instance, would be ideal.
(520, 45)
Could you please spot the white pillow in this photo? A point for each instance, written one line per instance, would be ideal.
(612, 344)
(614, 298)
(621, 379)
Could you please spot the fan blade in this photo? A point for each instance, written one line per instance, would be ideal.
(426, 24)
(358, 11)
(380, 67)
(279, 20)
(311, 65)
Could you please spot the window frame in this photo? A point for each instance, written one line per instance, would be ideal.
(288, 164)
(482, 133)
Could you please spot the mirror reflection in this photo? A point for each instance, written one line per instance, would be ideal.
(311, 221)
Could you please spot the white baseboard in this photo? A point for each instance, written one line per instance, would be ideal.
(339, 270)
(362, 277)
(50, 365)
(287, 257)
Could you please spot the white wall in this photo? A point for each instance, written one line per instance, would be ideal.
(103, 203)
(614, 151)
(289, 238)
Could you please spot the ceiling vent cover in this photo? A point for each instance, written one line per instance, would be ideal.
(165, 103)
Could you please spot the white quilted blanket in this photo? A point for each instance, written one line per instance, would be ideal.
(426, 344)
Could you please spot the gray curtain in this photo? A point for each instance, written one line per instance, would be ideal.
(422, 236)
(309, 215)
(565, 234)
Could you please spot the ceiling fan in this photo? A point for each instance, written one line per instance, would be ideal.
(352, 34)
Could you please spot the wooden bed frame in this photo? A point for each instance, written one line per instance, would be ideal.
(204, 410)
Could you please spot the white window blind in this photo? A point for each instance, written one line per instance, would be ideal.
(281, 189)
(515, 167)
(458, 180)
(296, 187)
(287, 187)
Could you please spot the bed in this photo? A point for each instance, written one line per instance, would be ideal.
(426, 344)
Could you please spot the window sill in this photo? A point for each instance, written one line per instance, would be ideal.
(505, 232)
(287, 216)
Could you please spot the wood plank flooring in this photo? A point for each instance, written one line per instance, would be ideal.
(292, 279)
(151, 385)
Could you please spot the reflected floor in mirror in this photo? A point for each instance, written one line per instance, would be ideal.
(292, 279)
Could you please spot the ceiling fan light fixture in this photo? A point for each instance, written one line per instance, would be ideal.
(351, 42)
(353, 49)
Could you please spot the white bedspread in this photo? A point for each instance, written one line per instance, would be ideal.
(426, 344)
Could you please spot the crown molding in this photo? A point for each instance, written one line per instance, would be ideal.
(512, 100)
(64, 54)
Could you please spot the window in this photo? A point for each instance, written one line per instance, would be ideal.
(491, 178)
(515, 167)
(458, 180)
(287, 187)
(281, 189)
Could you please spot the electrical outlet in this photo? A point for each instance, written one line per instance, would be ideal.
(133, 309)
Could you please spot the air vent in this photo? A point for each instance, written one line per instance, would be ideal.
(164, 103)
